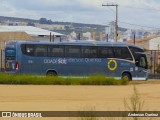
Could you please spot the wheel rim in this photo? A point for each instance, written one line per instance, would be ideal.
(51, 74)
(125, 77)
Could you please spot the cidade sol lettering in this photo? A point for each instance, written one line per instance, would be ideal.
(50, 61)
(55, 61)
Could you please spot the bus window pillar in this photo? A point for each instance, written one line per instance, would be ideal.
(60, 38)
(53, 39)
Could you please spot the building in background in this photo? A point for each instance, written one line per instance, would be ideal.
(34, 32)
(87, 36)
(93, 35)
(101, 36)
(131, 34)
(150, 43)
(110, 31)
(72, 36)
(50, 27)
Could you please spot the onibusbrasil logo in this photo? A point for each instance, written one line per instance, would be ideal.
(112, 65)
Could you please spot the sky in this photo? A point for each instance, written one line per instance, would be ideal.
(142, 14)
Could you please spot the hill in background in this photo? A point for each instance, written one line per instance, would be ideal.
(70, 26)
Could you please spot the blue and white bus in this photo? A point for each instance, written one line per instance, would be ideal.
(78, 58)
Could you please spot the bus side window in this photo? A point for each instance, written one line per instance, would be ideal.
(106, 52)
(122, 53)
(73, 51)
(28, 49)
(134, 50)
(90, 52)
(55, 51)
(40, 50)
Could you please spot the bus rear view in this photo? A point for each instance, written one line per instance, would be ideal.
(11, 64)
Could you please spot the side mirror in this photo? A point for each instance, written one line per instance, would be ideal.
(137, 63)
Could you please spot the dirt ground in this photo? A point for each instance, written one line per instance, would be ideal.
(76, 98)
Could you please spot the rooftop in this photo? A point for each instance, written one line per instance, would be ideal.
(141, 40)
(34, 31)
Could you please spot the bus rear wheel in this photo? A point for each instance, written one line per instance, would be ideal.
(51, 73)
(126, 76)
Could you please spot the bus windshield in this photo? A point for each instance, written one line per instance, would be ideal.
(10, 54)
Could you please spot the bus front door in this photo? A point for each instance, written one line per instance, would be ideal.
(141, 67)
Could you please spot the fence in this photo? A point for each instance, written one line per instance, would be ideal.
(153, 58)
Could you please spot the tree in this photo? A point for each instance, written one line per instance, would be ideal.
(31, 24)
(45, 21)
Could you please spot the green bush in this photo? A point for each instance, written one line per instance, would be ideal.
(43, 80)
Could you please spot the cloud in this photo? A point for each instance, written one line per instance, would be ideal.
(87, 11)
(46, 5)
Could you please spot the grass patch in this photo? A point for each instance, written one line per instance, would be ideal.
(43, 80)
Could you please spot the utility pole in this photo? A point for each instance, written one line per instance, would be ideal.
(50, 36)
(158, 54)
(107, 38)
(134, 38)
(116, 22)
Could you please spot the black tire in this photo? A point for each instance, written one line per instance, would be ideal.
(126, 76)
(51, 73)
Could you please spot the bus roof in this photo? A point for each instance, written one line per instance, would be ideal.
(75, 42)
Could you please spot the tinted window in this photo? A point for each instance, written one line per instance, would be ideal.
(135, 50)
(142, 62)
(122, 53)
(106, 52)
(10, 54)
(10, 57)
(40, 50)
(28, 49)
(73, 51)
(56, 51)
(90, 52)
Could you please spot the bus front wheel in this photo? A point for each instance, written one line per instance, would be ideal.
(51, 73)
(126, 76)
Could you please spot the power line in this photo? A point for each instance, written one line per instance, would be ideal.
(113, 11)
(130, 7)
(138, 25)
(132, 23)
